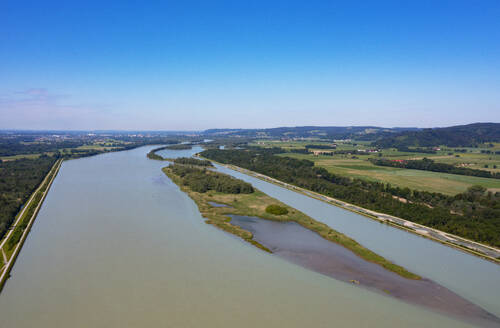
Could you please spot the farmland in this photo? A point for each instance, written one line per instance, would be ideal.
(358, 166)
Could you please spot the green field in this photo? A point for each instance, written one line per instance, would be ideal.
(472, 160)
(360, 167)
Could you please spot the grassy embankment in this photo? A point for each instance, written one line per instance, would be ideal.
(32, 210)
(255, 204)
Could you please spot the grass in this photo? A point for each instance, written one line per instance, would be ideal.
(473, 161)
(255, 204)
(449, 184)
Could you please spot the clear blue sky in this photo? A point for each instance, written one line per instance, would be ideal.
(183, 65)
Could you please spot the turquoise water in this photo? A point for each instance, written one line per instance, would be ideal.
(117, 244)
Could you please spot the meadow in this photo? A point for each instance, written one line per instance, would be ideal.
(358, 166)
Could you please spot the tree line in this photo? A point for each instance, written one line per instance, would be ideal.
(429, 165)
(470, 135)
(405, 149)
(474, 214)
(18, 180)
(319, 147)
(179, 147)
(202, 180)
(192, 161)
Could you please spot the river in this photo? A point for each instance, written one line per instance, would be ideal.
(117, 244)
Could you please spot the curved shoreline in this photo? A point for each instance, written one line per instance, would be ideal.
(255, 204)
(331, 258)
(444, 238)
(300, 246)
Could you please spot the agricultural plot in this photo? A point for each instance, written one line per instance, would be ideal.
(360, 167)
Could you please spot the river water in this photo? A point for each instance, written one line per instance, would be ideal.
(117, 244)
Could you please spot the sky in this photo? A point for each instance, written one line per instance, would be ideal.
(193, 65)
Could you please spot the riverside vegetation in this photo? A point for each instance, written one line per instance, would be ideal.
(179, 147)
(205, 186)
(31, 211)
(474, 214)
(18, 180)
(27, 156)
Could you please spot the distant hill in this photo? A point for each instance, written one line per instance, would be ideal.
(455, 136)
(327, 132)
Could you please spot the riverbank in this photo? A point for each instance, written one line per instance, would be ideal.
(13, 241)
(152, 154)
(303, 247)
(255, 204)
(300, 239)
(119, 228)
(484, 251)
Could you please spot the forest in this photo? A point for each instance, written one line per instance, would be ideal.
(179, 147)
(474, 214)
(470, 135)
(18, 180)
(192, 161)
(202, 180)
(17, 146)
(322, 132)
(429, 165)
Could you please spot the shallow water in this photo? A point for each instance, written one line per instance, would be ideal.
(117, 244)
(299, 245)
(473, 278)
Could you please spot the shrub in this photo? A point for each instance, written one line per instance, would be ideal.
(276, 210)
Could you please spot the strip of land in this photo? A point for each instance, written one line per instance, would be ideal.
(484, 251)
(14, 239)
(255, 204)
(303, 247)
(296, 237)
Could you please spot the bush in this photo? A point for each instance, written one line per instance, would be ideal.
(276, 210)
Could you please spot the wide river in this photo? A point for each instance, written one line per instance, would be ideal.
(117, 244)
